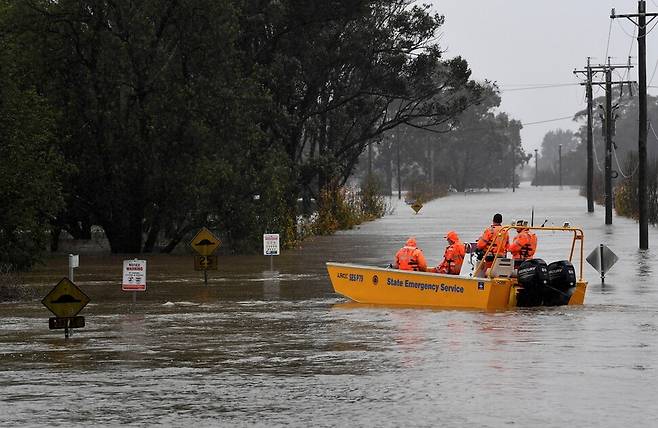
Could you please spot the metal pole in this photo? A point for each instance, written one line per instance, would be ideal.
(601, 262)
(71, 267)
(513, 165)
(271, 263)
(642, 134)
(590, 142)
(536, 170)
(399, 180)
(205, 277)
(608, 145)
(559, 149)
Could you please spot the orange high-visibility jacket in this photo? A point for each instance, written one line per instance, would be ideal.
(500, 243)
(410, 258)
(453, 258)
(524, 245)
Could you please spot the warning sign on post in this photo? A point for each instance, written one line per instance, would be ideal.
(134, 275)
(271, 244)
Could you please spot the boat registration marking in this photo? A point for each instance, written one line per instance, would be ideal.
(354, 277)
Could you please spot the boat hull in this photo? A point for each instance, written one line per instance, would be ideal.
(366, 284)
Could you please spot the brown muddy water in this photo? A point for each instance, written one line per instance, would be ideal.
(280, 348)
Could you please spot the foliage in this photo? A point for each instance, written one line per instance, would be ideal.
(342, 208)
(30, 191)
(477, 140)
(174, 114)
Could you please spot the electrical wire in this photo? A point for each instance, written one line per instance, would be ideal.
(548, 120)
(607, 45)
(614, 152)
(596, 159)
(653, 131)
(653, 74)
(548, 86)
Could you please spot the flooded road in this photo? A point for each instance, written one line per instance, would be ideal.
(261, 348)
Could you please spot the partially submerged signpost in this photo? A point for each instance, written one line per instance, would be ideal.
(416, 206)
(134, 276)
(205, 243)
(602, 259)
(271, 247)
(66, 300)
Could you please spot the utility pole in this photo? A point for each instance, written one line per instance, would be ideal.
(559, 150)
(589, 74)
(642, 131)
(536, 170)
(397, 144)
(607, 128)
(608, 145)
(513, 165)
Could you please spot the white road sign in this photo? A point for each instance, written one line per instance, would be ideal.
(271, 244)
(134, 275)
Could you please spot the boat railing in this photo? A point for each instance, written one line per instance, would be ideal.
(578, 236)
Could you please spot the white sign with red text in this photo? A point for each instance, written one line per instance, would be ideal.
(271, 244)
(134, 275)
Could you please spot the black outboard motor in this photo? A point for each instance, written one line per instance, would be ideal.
(533, 277)
(561, 283)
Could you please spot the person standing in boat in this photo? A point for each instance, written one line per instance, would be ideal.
(410, 257)
(524, 244)
(453, 256)
(493, 239)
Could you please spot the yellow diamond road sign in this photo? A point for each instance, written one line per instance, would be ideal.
(416, 206)
(66, 299)
(204, 242)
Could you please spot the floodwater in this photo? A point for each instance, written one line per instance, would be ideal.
(264, 348)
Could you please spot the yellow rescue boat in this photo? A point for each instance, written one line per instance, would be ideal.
(534, 283)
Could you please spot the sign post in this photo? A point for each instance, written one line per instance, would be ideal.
(416, 206)
(205, 243)
(271, 247)
(74, 262)
(134, 276)
(66, 300)
(602, 259)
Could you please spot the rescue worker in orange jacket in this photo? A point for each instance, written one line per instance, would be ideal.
(453, 256)
(492, 237)
(524, 244)
(410, 257)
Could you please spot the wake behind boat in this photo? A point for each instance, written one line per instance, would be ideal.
(534, 283)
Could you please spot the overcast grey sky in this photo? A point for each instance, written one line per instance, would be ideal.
(528, 43)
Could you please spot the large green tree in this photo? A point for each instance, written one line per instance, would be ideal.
(157, 113)
(30, 192)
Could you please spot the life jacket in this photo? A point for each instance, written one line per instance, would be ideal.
(524, 245)
(453, 258)
(528, 250)
(407, 258)
(491, 234)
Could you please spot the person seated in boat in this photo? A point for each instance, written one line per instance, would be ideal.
(524, 244)
(495, 240)
(453, 256)
(410, 257)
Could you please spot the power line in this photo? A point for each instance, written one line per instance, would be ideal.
(559, 85)
(607, 45)
(548, 120)
(614, 152)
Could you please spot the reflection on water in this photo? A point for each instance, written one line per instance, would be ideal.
(257, 347)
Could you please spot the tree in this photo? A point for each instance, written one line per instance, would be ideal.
(154, 104)
(30, 192)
